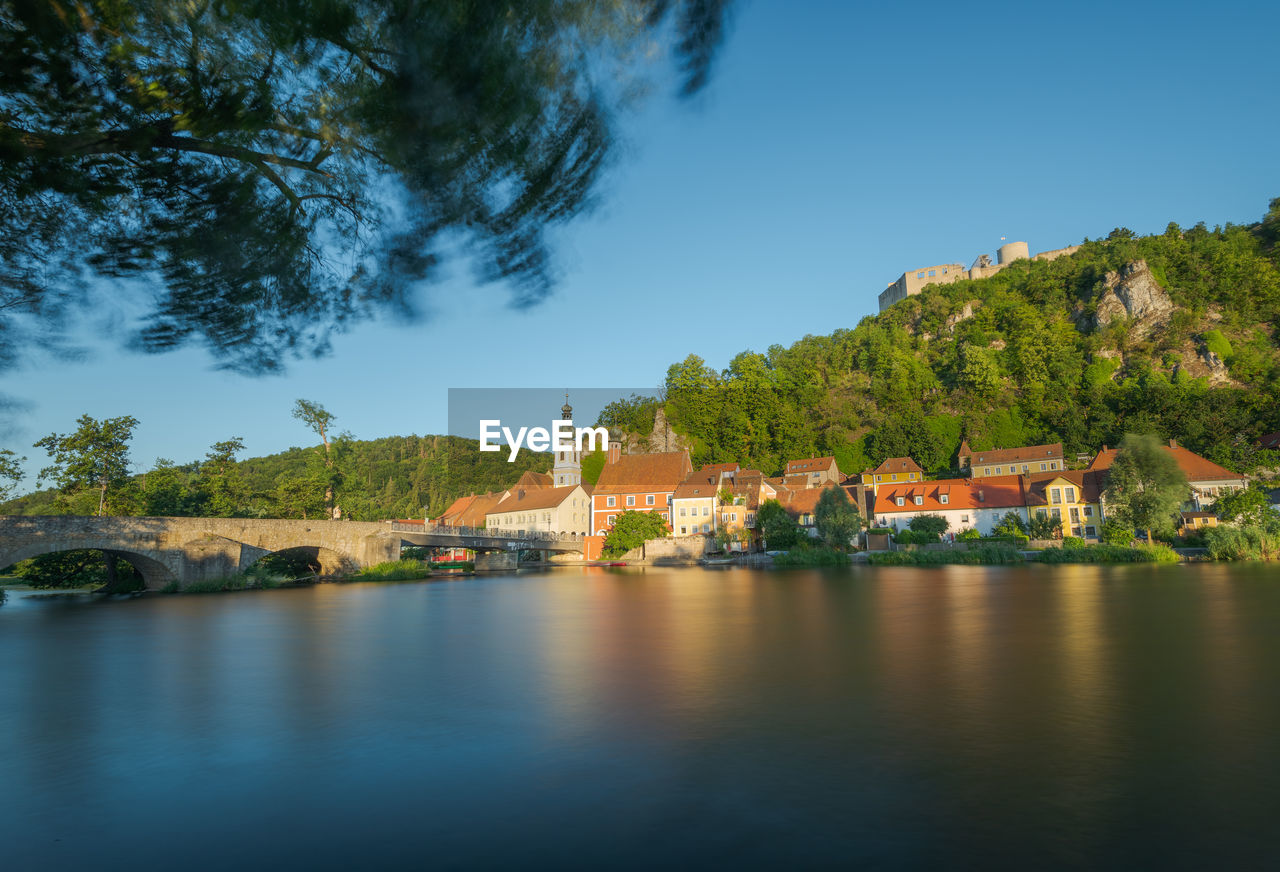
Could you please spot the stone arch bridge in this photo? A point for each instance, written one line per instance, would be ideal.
(165, 550)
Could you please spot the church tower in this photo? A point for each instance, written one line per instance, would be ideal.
(568, 467)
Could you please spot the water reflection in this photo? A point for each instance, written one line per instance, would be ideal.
(1031, 716)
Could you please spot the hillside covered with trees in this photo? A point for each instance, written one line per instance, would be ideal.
(1173, 334)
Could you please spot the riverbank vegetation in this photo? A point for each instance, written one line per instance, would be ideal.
(982, 555)
(820, 555)
(1107, 554)
(394, 570)
(256, 577)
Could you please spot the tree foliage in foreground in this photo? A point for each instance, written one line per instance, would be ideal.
(632, 529)
(218, 151)
(778, 529)
(837, 519)
(1145, 486)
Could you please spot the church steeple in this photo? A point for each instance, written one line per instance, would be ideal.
(568, 466)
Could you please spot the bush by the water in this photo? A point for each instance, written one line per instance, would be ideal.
(984, 555)
(812, 557)
(1108, 554)
(394, 570)
(1244, 542)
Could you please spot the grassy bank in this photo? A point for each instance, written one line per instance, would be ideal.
(394, 570)
(1108, 554)
(811, 557)
(986, 555)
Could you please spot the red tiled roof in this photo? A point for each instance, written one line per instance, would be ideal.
(898, 464)
(1193, 466)
(1088, 481)
(1017, 455)
(456, 508)
(930, 493)
(810, 464)
(703, 483)
(644, 473)
(531, 480)
(539, 498)
(475, 513)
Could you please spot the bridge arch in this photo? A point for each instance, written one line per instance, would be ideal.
(156, 574)
(322, 560)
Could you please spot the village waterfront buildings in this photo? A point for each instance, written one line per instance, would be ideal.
(722, 501)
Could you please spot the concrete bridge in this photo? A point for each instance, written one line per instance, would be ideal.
(164, 550)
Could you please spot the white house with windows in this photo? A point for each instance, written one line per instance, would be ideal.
(547, 510)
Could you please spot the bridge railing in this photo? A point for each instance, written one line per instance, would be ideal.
(485, 532)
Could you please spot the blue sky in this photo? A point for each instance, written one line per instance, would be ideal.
(836, 146)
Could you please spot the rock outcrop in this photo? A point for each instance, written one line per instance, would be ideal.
(1133, 293)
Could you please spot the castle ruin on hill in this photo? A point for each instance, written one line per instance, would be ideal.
(914, 281)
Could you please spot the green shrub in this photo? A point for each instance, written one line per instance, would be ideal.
(821, 556)
(1218, 344)
(969, 534)
(394, 570)
(1017, 540)
(985, 555)
(1108, 554)
(1070, 542)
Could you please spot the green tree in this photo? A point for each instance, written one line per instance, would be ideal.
(778, 529)
(1044, 526)
(632, 529)
(94, 569)
(1145, 486)
(219, 149)
(10, 473)
(837, 518)
(592, 466)
(93, 458)
(164, 492)
(1248, 507)
(224, 488)
(1011, 524)
(320, 420)
(929, 525)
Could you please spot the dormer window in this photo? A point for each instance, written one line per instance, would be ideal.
(919, 501)
(944, 499)
(900, 501)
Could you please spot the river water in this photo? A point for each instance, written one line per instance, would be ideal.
(964, 717)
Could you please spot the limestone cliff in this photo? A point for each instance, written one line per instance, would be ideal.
(1132, 292)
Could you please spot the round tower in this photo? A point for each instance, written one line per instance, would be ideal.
(1011, 251)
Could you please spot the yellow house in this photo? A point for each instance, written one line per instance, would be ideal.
(895, 470)
(1074, 497)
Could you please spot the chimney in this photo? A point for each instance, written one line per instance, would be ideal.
(615, 450)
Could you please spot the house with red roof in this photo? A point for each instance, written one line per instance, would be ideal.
(564, 509)
(1073, 497)
(1208, 480)
(639, 482)
(895, 470)
(1011, 461)
(811, 472)
(965, 503)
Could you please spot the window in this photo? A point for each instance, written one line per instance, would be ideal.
(611, 502)
(964, 519)
(1088, 511)
(932, 273)
(682, 511)
(706, 510)
(1042, 467)
(1075, 515)
(1057, 514)
(648, 501)
(997, 470)
(683, 530)
(919, 501)
(611, 519)
(1053, 464)
(900, 501)
(664, 516)
(944, 272)
(944, 499)
(1040, 513)
(706, 528)
(893, 477)
(1055, 495)
(1071, 495)
(920, 274)
(986, 470)
(751, 519)
(1025, 469)
(631, 501)
(1091, 531)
